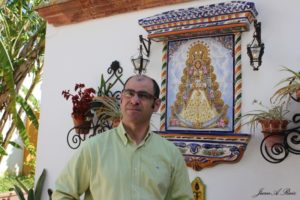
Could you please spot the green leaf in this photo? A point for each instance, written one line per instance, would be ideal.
(19, 34)
(32, 99)
(1, 88)
(19, 192)
(22, 130)
(2, 151)
(29, 112)
(102, 91)
(39, 185)
(31, 195)
(7, 68)
(5, 24)
(22, 185)
(14, 144)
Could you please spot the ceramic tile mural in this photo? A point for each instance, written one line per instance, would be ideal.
(201, 79)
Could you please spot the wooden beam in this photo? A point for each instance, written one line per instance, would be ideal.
(64, 12)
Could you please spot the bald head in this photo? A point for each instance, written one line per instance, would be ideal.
(156, 89)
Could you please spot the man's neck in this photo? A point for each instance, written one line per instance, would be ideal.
(137, 132)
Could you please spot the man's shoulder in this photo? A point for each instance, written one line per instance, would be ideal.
(163, 141)
(166, 148)
(103, 137)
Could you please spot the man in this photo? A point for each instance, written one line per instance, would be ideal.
(129, 162)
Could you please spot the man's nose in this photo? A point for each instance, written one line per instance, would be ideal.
(135, 99)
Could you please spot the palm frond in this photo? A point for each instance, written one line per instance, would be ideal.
(28, 110)
(32, 99)
(2, 151)
(14, 144)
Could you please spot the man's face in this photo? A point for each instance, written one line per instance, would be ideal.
(137, 100)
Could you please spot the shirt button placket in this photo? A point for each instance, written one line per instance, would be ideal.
(134, 174)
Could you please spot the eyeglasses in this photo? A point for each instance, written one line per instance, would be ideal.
(143, 95)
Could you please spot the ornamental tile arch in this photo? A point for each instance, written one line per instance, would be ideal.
(201, 79)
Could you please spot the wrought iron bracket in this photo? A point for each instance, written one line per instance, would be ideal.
(98, 125)
(146, 47)
(278, 151)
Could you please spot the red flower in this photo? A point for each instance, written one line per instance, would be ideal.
(81, 101)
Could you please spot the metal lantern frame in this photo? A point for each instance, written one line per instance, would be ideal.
(255, 50)
(140, 62)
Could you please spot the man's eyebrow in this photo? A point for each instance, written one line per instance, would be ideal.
(137, 90)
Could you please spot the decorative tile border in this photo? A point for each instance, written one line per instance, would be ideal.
(206, 150)
(222, 18)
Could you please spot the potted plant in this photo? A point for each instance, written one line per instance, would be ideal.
(81, 106)
(106, 104)
(104, 90)
(108, 108)
(291, 86)
(272, 119)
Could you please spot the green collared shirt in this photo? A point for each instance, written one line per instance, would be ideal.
(110, 166)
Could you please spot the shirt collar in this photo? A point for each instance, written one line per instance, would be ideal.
(125, 138)
(122, 133)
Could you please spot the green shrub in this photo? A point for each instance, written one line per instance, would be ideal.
(7, 181)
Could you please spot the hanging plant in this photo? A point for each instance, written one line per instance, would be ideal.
(272, 119)
(81, 101)
(289, 86)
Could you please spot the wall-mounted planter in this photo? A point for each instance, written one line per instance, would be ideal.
(82, 126)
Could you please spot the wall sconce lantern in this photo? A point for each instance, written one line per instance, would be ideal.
(140, 62)
(255, 50)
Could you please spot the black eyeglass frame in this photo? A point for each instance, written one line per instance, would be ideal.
(143, 95)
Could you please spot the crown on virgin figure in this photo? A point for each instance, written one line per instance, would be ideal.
(198, 50)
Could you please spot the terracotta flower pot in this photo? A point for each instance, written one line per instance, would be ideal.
(298, 95)
(273, 125)
(272, 130)
(82, 126)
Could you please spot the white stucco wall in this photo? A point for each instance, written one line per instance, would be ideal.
(12, 164)
(81, 52)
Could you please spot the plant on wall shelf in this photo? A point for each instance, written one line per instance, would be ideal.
(108, 109)
(81, 106)
(291, 86)
(103, 89)
(272, 119)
